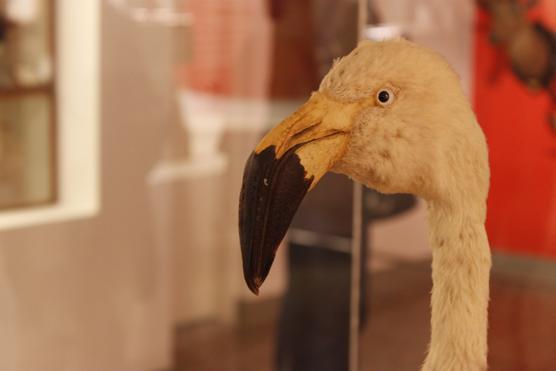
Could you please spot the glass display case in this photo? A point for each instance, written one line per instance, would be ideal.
(137, 263)
(350, 287)
(272, 55)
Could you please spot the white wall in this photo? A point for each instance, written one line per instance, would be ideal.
(91, 294)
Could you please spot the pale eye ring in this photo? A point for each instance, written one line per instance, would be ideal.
(385, 97)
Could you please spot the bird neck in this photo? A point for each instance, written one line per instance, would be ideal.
(460, 273)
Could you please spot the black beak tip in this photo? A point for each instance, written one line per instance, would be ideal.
(255, 276)
(254, 285)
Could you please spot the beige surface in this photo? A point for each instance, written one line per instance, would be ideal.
(90, 295)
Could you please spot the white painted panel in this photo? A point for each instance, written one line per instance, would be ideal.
(77, 81)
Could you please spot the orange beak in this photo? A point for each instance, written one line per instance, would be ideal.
(287, 163)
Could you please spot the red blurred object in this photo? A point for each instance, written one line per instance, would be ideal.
(522, 202)
(230, 48)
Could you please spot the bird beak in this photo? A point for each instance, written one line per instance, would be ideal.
(286, 164)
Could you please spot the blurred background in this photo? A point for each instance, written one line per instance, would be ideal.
(124, 129)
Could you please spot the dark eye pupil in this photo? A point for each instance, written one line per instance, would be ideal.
(383, 96)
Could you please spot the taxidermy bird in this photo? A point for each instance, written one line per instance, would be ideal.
(391, 115)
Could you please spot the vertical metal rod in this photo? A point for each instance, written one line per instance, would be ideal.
(356, 246)
(356, 243)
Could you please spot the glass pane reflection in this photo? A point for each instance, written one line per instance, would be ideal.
(26, 168)
(302, 324)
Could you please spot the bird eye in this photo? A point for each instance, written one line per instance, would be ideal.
(385, 97)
